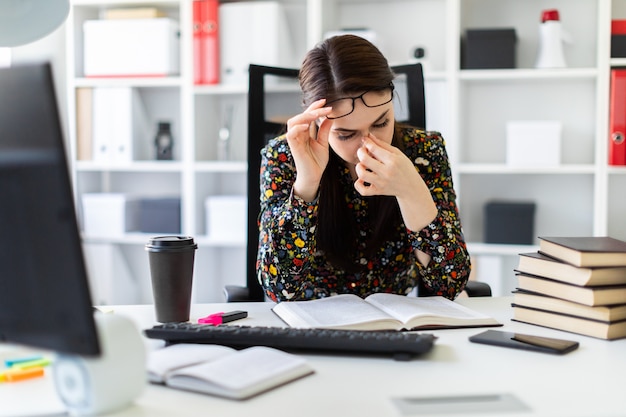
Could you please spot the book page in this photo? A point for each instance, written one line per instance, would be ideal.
(334, 312)
(162, 361)
(433, 310)
(242, 374)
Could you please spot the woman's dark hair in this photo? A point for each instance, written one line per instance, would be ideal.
(342, 66)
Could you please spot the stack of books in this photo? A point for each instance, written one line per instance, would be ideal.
(575, 284)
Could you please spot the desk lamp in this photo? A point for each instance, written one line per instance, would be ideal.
(25, 21)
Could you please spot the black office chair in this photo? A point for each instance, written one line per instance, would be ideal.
(261, 130)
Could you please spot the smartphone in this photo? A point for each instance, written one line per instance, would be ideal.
(524, 341)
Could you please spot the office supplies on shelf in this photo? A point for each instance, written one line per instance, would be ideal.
(380, 312)
(239, 48)
(617, 117)
(84, 123)
(206, 30)
(484, 48)
(400, 345)
(133, 13)
(164, 142)
(585, 250)
(223, 318)
(121, 129)
(533, 143)
(551, 37)
(224, 371)
(618, 38)
(131, 47)
(109, 214)
(498, 227)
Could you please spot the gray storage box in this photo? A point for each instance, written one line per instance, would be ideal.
(159, 215)
(509, 222)
(489, 48)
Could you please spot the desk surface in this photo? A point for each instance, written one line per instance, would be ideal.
(587, 382)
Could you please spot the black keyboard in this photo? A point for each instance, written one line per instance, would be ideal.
(400, 345)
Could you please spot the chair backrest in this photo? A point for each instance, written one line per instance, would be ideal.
(410, 87)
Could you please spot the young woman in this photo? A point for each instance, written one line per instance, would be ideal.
(352, 201)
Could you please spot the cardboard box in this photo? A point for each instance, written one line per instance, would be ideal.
(533, 143)
(227, 217)
(159, 215)
(510, 222)
(489, 48)
(131, 48)
(109, 214)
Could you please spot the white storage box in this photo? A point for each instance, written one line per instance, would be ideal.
(226, 217)
(533, 143)
(131, 47)
(109, 214)
(253, 32)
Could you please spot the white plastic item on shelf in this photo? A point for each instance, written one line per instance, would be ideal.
(131, 47)
(533, 143)
(226, 217)
(551, 38)
(252, 32)
(109, 214)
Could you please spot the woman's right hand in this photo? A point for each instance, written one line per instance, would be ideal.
(309, 146)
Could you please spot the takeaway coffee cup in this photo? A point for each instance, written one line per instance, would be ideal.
(171, 269)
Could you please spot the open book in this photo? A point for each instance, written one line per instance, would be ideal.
(224, 371)
(380, 312)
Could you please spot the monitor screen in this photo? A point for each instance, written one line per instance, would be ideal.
(44, 293)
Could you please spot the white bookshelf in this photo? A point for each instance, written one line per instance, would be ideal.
(583, 195)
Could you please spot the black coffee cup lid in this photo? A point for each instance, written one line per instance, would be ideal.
(171, 243)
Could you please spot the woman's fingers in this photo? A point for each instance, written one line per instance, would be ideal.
(312, 113)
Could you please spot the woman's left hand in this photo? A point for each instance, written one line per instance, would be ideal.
(384, 169)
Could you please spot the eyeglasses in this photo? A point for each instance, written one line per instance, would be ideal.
(371, 98)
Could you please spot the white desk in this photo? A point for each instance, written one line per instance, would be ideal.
(590, 381)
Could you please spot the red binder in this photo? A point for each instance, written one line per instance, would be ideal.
(206, 41)
(617, 118)
(196, 28)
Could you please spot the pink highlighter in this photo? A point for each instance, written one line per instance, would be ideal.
(221, 317)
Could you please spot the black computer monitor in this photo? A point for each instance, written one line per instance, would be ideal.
(44, 293)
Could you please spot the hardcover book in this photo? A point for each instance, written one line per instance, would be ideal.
(380, 312)
(536, 263)
(587, 327)
(591, 296)
(586, 251)
(543, 302)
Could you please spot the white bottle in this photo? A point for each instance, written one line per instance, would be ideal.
(550, 41)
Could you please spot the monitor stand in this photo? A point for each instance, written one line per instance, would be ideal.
(92, 386)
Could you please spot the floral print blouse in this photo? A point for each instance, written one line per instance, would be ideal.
(289, 266)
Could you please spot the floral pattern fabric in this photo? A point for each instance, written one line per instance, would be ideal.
(290, 267)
